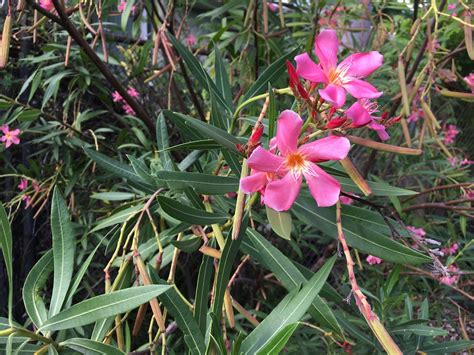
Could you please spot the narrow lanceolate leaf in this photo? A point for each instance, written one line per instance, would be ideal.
(189, 214)
(180, 311)
(201, 304)
(281, 222)
(162, 141)
(103, 306)
(290, 310)
(270, 75)
(264, 252)
(448, 347)
(358, 236)
(202, 183)
(222, 78)
(6, 246)
(205, 130)
(63, 251)
(34, 283)
(91, 347)
(279, 340)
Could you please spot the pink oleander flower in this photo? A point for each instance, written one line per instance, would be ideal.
(128, 110)
(272, 7)
(470, 81)
(469, 193)
(191, 40)
(23, 184)
(451, 7)
(450, 133)
(466, 161)
(453, 161)
(453, 278)
(116, 97)
(35, 185)
(415, 115)
(450, 250)
(123, 4)
(342, 77)
(416, 232)
(373, 260)
(27, 200)
(47, 5)
(281, 175)
(9, 137)
(132, 92)
(361, 114)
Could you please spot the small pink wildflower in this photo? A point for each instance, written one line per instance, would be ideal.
(453, 278)
(128, 109)
(451, 7)
(123, 4)
(116, 97)
(453, 161)
(133, 92)
(361, 114)
(415, 115)
(342, 77)
(469, 193)
(466, 161)
(373, 260)
(23, 184)
(27, 200)
(47, 5)
(9, 137)
(416, 232)
(450, 133)
(451, 250)
(272, 7)
(35, 185)
(470, 81)
(292, 163)
(191, 40)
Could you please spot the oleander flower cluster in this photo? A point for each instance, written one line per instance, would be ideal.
(329, 85)
(9, 136)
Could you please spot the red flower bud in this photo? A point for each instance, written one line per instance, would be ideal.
(336, 122)
(256, 135)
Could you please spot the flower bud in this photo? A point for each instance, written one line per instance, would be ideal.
(5, 41)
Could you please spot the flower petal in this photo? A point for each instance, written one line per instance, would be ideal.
(328, 148)
(288, 130)
(326, 46)
(362, 64)
(361, 89)
(253, 183)
(263, 160)
(380, 129)
(309, 70)
(324, 188)
(359, 115)
(334, 94)
(280, 194)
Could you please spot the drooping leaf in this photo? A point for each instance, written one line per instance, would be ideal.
(63, 251)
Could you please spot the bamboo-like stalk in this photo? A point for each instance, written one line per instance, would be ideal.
(354, 174)
(5, 40)
(383, 146)
(361, 301)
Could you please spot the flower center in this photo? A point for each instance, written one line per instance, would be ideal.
(339, 75)
(297, 164)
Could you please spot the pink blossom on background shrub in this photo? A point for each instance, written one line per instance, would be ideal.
(9, 137)
(450, 279)
(128, 109)
(133, 92)
(470, 81)
(123, 4)
(23, 184)
(342, 77)
(450, 250)
(416, 232)
(47, 5)
(191, 40)
(292, 164)
(116, 97)
(450, 133)
(272, 7)
(373, 260)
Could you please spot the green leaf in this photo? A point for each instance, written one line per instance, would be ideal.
(119, 169)
(448, 347)
(119, 217)
(188, 244)
(290, 310)
(418, 329)
(162, 141)
(91, 347)
(278, 342)
(378, 188)
(180, 311)
(6, 243)
(270, 75)
(357, 236)
(222, 78)
(189, 214)
(272, 113)
(103, 306)
(34, 284)
(288, 274)
(206, 130)
(126, 14)
(63, 251)
(113, 196)
(281, 222)
(203, 287)
(198, 71)
(202, 183)
(203, 144)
